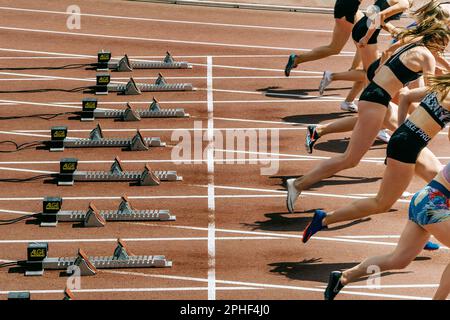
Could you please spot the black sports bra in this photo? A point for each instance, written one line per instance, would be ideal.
(403, 73)
(383, 5)
(431, 104)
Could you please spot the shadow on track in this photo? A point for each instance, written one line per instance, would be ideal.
(336, 180)
(313, 270)
(284, 221)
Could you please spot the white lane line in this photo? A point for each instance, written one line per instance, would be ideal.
(305, 193)
(211, 189)
(54, 77)
(394, 286)
(372, 237)
(18, 241)
(271, 286)
(16, 212)
(60, 55)
(228, 25)
(42, 104)
(170, 78)
(162, 129)
(27, 170)
(77, 105)
(199, 197)
(266, 194)
(115, 290)
(175, 41)
(68, 55)
(255, 69)
(288, 155)
(25, 134)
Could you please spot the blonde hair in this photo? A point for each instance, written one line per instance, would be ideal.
(440, 85)
(434, 34)
(432, 9)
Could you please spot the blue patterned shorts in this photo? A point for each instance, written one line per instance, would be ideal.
(430, 205)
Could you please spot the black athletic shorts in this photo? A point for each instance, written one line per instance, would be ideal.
(360, 30)
(406, 143)
(347, 9)
(375, 93)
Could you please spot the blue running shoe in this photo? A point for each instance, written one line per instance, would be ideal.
(311, 138)
(315, 225)
(290, 65)
(334, 285)
(431, 246)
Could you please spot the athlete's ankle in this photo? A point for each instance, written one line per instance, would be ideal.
(344, 280)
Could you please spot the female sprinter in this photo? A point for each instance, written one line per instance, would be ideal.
(407, 146)
(432, 10)
(405, 65)
(344, 16)
(365, 35)
(428, 214)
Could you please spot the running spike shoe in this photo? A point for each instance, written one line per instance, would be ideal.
(311, 138)
(315, 225)
(290, 65)
(292, 195)
(334, 285)
(325, 82)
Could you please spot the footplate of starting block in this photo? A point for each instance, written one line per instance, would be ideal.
(97, 218)
(127, 65)
(133, 88)
(96, 139)
(121, 258)
(116, 174)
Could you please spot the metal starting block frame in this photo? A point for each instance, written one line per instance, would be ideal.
(96, 140)
(68, 174)
(52, 214)
(127, 65)
(133, 88)
(87, 266)
(90, 112)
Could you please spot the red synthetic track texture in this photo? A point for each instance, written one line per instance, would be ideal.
(258, 249)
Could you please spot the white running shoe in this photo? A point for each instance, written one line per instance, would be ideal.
(292, 195)
(349, 106)
(325, 82)
(384, 136)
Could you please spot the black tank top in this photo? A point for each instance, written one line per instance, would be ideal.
(431, 104)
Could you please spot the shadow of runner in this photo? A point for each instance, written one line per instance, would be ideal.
(316, 118)
(332, 181)
(313, 270)
(276, 92)
(284, 221)
(340, 145)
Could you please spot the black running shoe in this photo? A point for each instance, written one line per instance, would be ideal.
(290, 65)
(311, 138)
(334, 285)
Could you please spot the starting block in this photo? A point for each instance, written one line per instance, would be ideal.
(59, 141)
(92, 217)
(90, 112)
(125, 64)
(68, 174)
(38, 261)
(133, 88)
